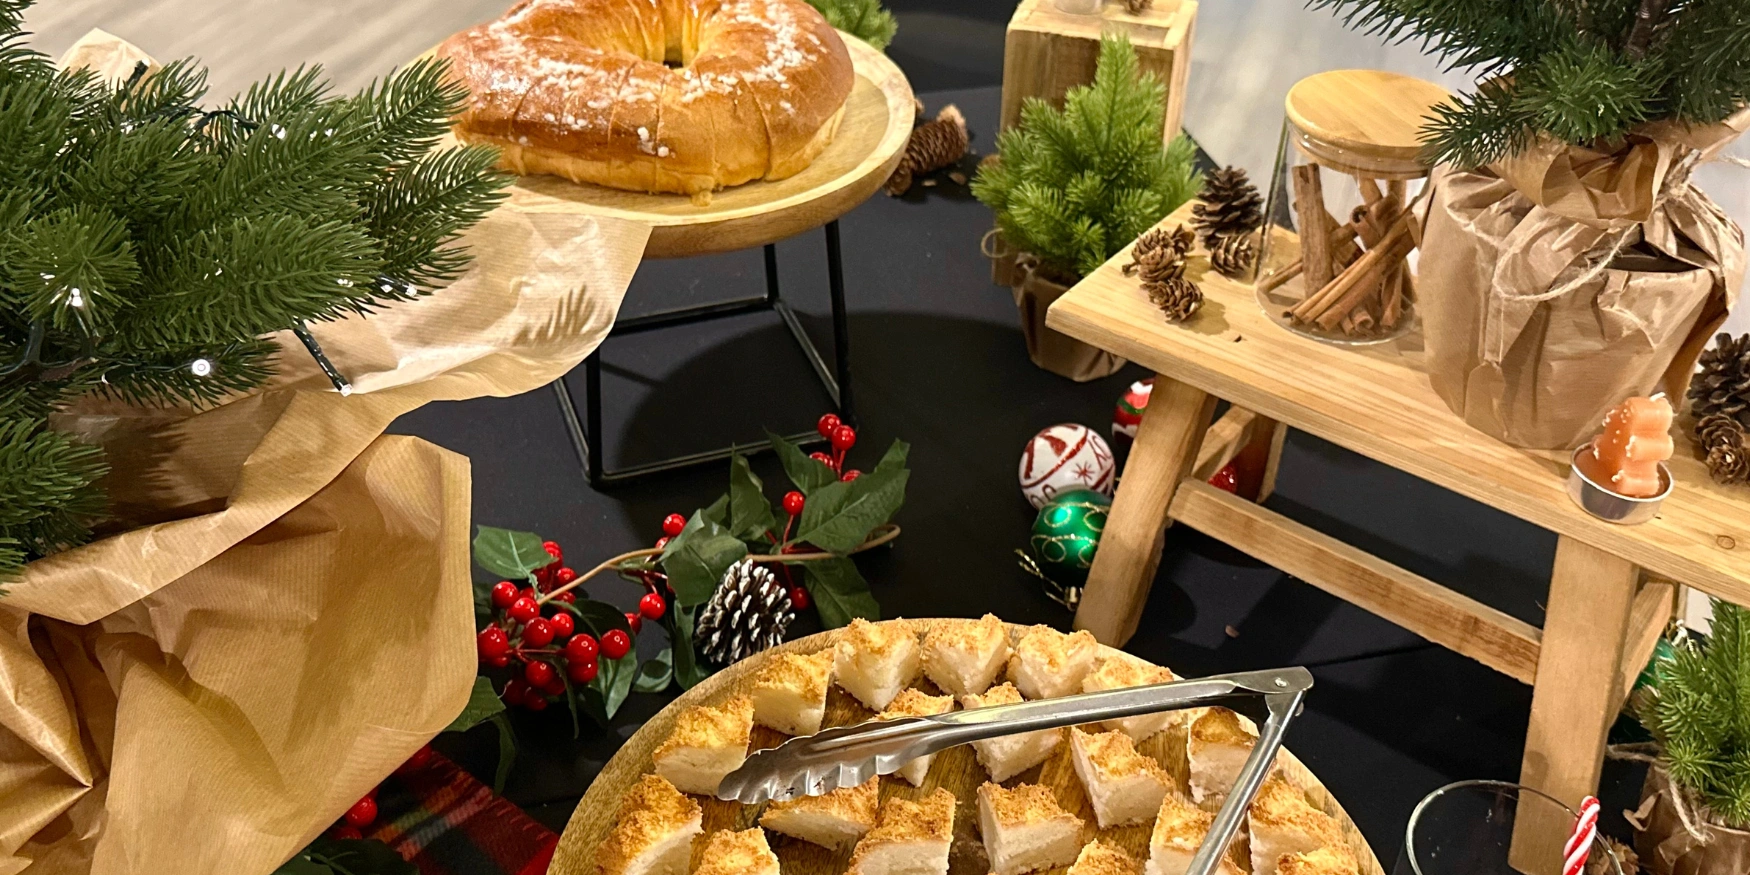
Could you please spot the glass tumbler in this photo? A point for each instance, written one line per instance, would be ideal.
(1467, 829)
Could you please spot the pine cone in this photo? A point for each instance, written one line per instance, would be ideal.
(1233, 254)
(1625, 855)
(1231, 205)
(1160, 243)
(1160, 265)
(1136, 7)
(1728, 464)
(1723, 385)
(933, 146)
(1718, 430)
(1177, 297)
(747, 614)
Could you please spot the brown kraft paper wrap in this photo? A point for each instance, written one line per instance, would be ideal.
(1048, 348)
(284, 613)
(1667, 846)
(1528, 337)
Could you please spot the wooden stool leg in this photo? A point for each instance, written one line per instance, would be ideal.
(1591, 598)
(1257, 462)
(1166, 447)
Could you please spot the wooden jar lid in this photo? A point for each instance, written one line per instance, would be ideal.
(1363, 122)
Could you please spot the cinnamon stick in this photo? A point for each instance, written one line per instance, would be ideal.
(1342, 238)
(1315, 237)
(1361, 279)
(1394, 298)
(1369, 190)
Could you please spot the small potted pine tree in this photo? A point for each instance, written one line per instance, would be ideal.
(1072, 187)
(1695, 811)
(1567, 260)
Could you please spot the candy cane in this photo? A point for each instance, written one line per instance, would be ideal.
(1579, 844)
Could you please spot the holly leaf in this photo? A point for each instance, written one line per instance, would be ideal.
(688, 672)
(506, 752)
(482, 704)
(598, 616)
(655, 675)
(839, 517)
(750, 514)
(894, 458)
(357, 857)
(717, 511)
(839, 591)
(510, 555)
(302, 865)
(697, 557)
(808, 474)
(614, 680)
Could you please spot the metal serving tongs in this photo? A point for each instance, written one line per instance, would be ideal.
(849, 755)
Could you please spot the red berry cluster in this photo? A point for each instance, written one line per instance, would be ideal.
(363, 813)
(842, 437)
(543, 644)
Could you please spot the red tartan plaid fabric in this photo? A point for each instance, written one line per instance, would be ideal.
(442, 820)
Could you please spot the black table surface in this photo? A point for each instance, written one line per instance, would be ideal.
(938, 361)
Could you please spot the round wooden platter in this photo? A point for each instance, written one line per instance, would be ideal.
(871, 138)
(955, 768)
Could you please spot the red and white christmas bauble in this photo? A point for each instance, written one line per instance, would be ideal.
(1128, 414)
(1064, 458)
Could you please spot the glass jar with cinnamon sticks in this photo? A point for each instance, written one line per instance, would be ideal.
(1349, 164)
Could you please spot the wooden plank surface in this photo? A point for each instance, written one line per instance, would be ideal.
(1460, 624)
(955, 768)
(1377, 402)
(1224, 441)
(1167, 443)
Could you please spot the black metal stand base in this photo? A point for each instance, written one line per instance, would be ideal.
(586, 435)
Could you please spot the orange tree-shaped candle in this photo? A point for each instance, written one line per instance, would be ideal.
(1625, 457)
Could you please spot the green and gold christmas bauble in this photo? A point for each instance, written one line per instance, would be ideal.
(1067, 532)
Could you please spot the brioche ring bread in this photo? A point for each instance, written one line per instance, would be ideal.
(679, 96)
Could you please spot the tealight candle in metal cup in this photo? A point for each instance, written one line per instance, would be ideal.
(1597, 499)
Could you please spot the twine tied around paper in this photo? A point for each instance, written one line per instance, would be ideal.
(1675, 181)
(990, 241)
(1648, 752)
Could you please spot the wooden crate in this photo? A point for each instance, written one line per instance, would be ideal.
(1048, 52)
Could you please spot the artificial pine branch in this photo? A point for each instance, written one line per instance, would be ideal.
(1640, 36)
(148, 246)
(866, 20)
(1582, 71)
(1700, 715)
(1076, 185)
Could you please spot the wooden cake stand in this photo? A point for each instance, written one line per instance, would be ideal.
(956, 769)
(871, 137)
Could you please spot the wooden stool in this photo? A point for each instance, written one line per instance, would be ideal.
(1363, 124)
(1611, 587)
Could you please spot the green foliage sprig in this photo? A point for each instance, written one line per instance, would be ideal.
(866, 20)
(839, 518)
(146, 246)
(1699, 712)
(328, 856)
(1583, 71)
(1074, 186)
